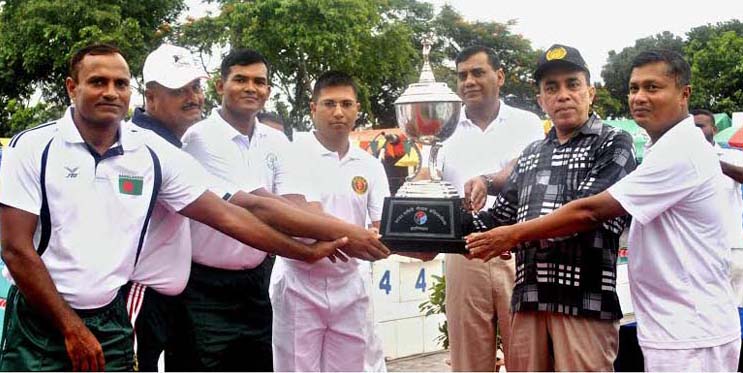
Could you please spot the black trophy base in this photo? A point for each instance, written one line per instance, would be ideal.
(423, 225)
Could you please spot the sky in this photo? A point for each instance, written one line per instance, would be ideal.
(594, 27)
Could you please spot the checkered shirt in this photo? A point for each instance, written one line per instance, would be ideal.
(574, 275)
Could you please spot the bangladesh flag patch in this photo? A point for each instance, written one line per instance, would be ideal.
(131, 185)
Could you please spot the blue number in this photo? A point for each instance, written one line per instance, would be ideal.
(384, 283)
(420, 283)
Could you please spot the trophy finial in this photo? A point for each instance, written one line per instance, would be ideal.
(426, 72)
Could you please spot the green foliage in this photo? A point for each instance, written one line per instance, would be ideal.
(436, 304)
(515, 52)
(605, 105)
(616, 72)
(21, 117)
(716, 57)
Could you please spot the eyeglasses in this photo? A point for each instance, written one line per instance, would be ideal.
(331, 105)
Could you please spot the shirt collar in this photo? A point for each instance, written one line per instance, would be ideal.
(503, 114)
(592, 127)
(146, 121)
(71, 134)
(354, 152)
(673, 132)
(229, 132)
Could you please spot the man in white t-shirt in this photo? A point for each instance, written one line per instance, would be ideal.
(731, 161)
(320, 310)
(679, 255)
(77, 195)
(489, 135)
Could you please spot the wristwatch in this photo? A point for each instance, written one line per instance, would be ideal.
(488, 183)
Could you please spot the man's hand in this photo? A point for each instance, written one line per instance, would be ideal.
(322, 249)
(488, 245)
(83, 349)
(476, 192)
(364, 244)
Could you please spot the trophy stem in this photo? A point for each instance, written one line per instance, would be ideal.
(433, 161)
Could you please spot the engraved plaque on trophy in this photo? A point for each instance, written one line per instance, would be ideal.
(425, 215)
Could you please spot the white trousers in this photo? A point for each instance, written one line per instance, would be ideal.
(319, 323)
(374, 348)
(723, 358)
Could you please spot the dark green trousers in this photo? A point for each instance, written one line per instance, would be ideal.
(31, 343)
(230, 317)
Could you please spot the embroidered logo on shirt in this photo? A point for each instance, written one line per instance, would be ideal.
(359, 185)
(131, 185)
(272, 161)
(71, 172)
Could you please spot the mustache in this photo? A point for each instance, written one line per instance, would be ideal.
(190, 106)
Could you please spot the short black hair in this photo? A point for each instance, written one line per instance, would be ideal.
(334, 79)
(97, 49)
(470, 51)
(271, 116)
(704, 112)
(677, 65)
(243, 57)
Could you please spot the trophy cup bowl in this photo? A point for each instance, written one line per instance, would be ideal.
(425, 215)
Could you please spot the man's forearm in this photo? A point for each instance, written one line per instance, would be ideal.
(575, 217)
(732, 171)
(291, 219)
(34, 282)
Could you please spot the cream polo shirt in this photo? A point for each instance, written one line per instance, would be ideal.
(264, 161)
(470, 151)
(93, 210)
(348, 188)
(679, 257)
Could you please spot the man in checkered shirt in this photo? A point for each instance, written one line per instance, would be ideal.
(565, 305)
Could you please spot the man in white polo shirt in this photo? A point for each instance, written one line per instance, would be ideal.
(679, 255)
(489, 136)
(731, 161)
(320, 310)
(227, 295)
(77, 195)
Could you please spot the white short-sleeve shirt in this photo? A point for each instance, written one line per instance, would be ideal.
(165, 261)
(349, 188)
(470, 151)
(265, 160)
(734, 199)
(679, 258)
(93, 210)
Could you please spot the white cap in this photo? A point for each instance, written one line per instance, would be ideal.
(172, 67)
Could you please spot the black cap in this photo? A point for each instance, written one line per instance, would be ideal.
(560, 55)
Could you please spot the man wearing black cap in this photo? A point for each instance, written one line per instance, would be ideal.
(565, 306)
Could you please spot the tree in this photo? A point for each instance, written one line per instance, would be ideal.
(515, 52)
(616, 72)
(716, 57)
(304, 38)
(604, 104)
(37, 38)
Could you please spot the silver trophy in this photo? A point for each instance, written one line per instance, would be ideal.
(425, 215)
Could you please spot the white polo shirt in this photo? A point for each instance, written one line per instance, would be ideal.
(165, 261)
(679, 258)
(248, 164)
(348, 188)
(734, 199)
(470, 151)
(93, 211)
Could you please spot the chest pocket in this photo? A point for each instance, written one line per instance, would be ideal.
(581, 158)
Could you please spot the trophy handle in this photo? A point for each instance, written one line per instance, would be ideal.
(432, 161)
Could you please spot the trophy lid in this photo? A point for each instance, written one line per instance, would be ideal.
(427, 89)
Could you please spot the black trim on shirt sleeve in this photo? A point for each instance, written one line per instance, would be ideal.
(157, 183)
(44, 216)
